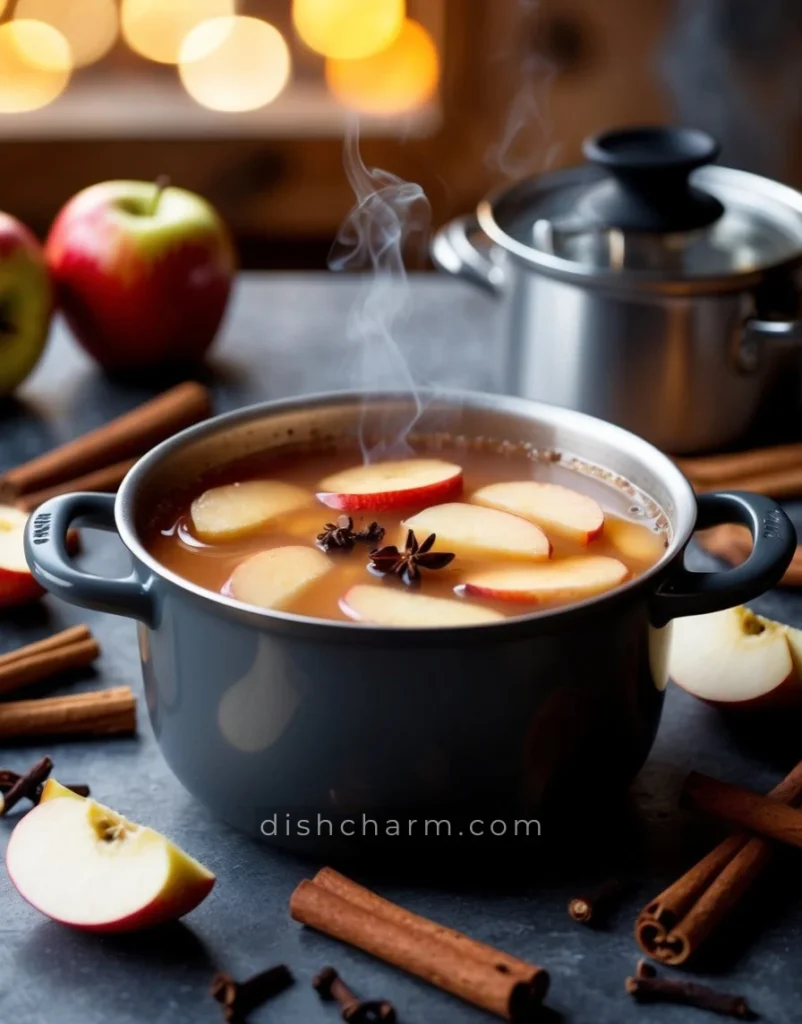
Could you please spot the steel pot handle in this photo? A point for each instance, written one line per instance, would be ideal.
(774, 543)
(453, 251)
(756, 333)
(49, 561)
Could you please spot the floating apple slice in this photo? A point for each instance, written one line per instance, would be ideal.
(736, 659)
(568, 579)
(556, 509)
(635, 541)
(17, 585)
(388, 606)
(273, 578)
(482, 532)
(85, 865)
(235, 510)
(386, 485)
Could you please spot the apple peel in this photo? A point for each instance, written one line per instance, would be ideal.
(17, 585)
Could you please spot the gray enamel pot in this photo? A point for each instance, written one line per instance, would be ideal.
(271, 718)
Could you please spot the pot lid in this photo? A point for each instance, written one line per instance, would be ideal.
(649, 208)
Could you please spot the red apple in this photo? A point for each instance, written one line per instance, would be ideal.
(568, 579)
(26, 303)
(476, 532)
(143, 273)
(17, 585)
(398, 484)
(554, 508)
(387, 606)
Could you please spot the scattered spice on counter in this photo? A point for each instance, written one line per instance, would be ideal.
(646, 988)
(26, 785)
(674, 926)
(8, 778)
(239, 998)
(63, 652)
(330, 986)
(96, 713)
(597, 905)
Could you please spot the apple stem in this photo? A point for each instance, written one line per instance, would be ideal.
(160, 184)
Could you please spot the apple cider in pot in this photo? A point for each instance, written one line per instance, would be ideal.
(455, 533)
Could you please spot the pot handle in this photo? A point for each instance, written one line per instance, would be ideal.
(51, 565)
(757, 333)
(453, 251)
(774, 543)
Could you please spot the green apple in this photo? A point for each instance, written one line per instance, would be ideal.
(26, 303)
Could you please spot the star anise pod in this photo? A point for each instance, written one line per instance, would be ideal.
(373, 534)
(337, 536)
(408, 563)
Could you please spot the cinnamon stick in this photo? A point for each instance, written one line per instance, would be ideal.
(27, 666)
(420, 953)
(67, 636)
(734, 544)
(747, 810)
(98, 713)
(106, 480)
(718, 469)
(334, 882)
(676, 923)
(775, 483)
(127, 436)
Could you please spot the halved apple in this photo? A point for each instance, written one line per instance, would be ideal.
(482, 532)
(388, 606)
(635, 541)
(555, 508)
(737, 659)
(84, 865)
(235, 510)
(17, 585)
(386, 485)
(275, 577)
(568, 579)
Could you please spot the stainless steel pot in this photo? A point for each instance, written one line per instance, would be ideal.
(645, 287)
(263, 713)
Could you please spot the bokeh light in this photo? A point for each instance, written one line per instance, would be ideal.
(234, 64)
(35, 65)
(157, 28)
(348, 29)
(400, 78)
(89, 26)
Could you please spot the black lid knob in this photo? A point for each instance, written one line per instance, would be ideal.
(649, 189)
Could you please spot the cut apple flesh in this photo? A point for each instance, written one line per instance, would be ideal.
(386, 485)
(735, 657)
(17, 585)
(634, 541)
(472, 530)
(235, 510)
(84, 865)
(557, 509)
(388, 606)
(275, 577)
(565, 580)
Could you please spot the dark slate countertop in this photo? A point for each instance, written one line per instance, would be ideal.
(285, 336)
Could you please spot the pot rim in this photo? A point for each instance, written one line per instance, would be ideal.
(676, 483)
(640, 281)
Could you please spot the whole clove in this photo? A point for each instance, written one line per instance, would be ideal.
(646, 988)
(8, 778)
(597, 905)
(239, 998)
(330, 986)
(26, 786)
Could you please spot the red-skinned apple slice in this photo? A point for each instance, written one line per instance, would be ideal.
(389, 606)
(384, 485)
(235, 510)
(273, 578)
(474, 531)
(17, 585)
(568, 579)
(737, 660)
(635, 541)
(557, 509)
(84, 865)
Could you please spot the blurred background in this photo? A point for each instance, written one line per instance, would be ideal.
(245, 101)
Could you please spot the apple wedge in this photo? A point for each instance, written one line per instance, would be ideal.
(634, 541)
(275, 577)
(472, 530)
(235, 510)
(17, 585)
(387, 606)
(736, 659)
(557, 509)
(84, 865)
(568, 579)
(384, 485)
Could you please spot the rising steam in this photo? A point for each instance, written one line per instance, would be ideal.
(390, 219)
